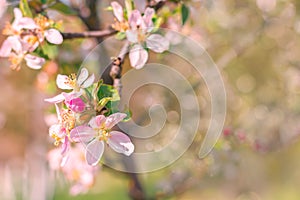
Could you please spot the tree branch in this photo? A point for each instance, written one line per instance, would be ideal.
(88, 34)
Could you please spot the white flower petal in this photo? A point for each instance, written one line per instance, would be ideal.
(83, 75)
(132, 36)
(157, 43)
(94, 152)
(34, 62)
(88, 82)
(17, 13)
(62, 82)
(57, 99)
(118, 10)
(138, 56)
(53, 36)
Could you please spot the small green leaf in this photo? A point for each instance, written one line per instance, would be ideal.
(24, 7)
(49, 50)
(102, 103)
(185, 12)
(109, 98)
(43, 1)
(63, 8)
(129, 6)
(128, 112)
(120, 35)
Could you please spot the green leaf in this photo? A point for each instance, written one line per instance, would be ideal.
(185, 12)
(49, 50)
(129, 6)
(128, 112)
(43, 1)
(63, 8)
(109, 98)
(120, 35)
(24, 7)
(108, 91)
(102, 103)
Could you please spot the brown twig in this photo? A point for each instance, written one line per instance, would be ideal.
(87, 34)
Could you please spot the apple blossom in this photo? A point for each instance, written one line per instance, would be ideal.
(16, 52)
(99, 131)
(140, 37)
(138, 30)
(24, 36)
(72, 101)
(77, 172)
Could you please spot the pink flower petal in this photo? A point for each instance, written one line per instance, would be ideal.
(57, 99)
(17, 13)
(53, 36)
(11, 43)
(25, 23)
(136, 20)
(113, 119)
(148, 15)
(6, 48)
(97, 121)
(157, 43)
(132, 36)
(65, 146)
(34, 62)
(138, 56)
(88, 82)
(120, 143)
(62, 82)
(73, 102)
(94, 152)
(82, 134)
(118, 10)
(83, 75)
(16, 44)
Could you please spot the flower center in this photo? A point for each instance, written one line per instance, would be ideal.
(43, 22)
(68, 120)
(71, 81)
(15, 61)
(120, 26)
(103, 134)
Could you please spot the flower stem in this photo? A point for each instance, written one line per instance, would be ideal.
(89, 34)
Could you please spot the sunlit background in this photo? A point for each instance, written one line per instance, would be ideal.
(256, 46)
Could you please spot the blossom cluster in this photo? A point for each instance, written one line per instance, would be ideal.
(140, 32)
(93, 132)
(24, 36)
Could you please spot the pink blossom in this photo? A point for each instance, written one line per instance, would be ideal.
(140, 35)
(12, 47)
(24, 36)
(75, 104)
(99, 131)
(77, 172)
(60, 131)
(72, 101)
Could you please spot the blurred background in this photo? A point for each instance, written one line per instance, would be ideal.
(256, 46)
